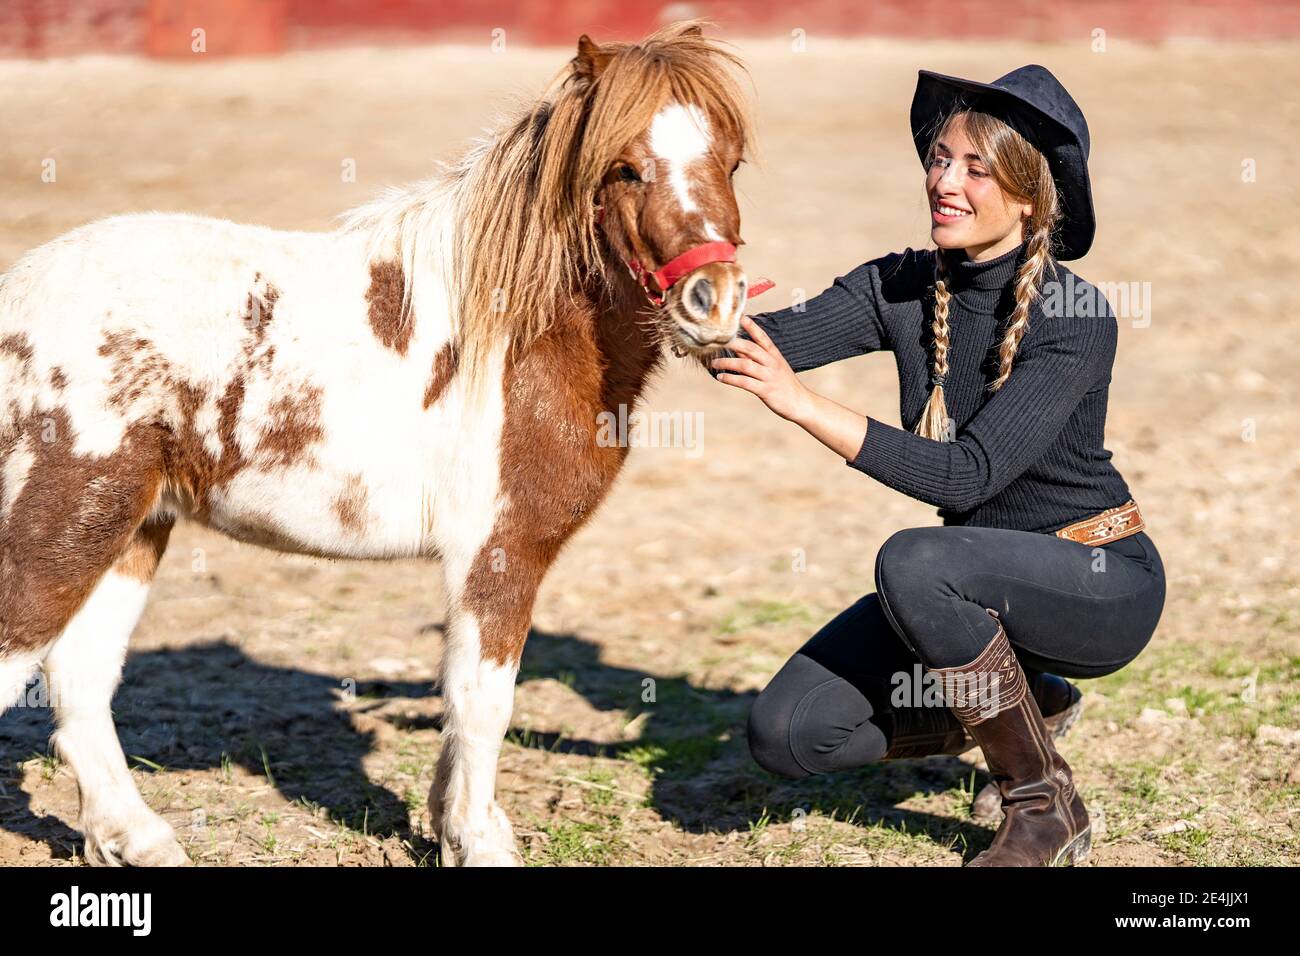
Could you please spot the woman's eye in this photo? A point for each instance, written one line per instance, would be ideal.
(628, 174)
(979, 173)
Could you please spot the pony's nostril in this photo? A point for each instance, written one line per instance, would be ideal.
(701, 296)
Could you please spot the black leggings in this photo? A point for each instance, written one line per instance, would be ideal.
(1068, 608)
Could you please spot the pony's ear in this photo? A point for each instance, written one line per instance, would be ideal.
(591, 59)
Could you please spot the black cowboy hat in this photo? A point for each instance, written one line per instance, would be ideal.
(1035, 104)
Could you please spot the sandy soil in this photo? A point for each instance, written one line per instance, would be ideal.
(237, 707)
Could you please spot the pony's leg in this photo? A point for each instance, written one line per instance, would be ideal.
(478, 697)
(83, 669)
(487, 625)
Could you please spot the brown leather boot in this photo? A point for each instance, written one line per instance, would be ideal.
(927, 731)
(1061, 704)
(1046, 823)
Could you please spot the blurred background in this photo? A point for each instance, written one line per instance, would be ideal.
(162, 27)
(707, 566)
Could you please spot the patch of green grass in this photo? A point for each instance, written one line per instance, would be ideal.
(601, 795)
(1199, 699)
(1192, 843)
(757, 828)
(414, 799)
(49, 764)
(269, 840)
(687, 755)
(751, 614)
(575, 842)
(1140, 782)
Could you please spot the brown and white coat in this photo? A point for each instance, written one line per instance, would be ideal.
(337, 394)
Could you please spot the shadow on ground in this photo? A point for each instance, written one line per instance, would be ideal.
(208, 705)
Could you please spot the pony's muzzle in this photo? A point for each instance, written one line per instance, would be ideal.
(712, 300)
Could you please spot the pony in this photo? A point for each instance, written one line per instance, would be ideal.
(425, 380)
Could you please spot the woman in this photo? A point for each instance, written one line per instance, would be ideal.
(1042, 565)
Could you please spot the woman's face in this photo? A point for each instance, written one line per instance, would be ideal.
(968, 209)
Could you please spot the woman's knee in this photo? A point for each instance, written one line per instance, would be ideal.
(770, 718)
(810, 720)
(909, 557)
(908, 573)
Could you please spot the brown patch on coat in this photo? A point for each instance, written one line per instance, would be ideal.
(17, 345)
(384, 298)
(295, 426)
(74, 517)
(58, 379)
(445, 364)
(145, 549)
(259, 307)
(553, 472)
(350, 504)
(192, 468)
(137, 368)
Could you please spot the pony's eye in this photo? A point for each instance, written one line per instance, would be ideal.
(627, 174)
(736, 167)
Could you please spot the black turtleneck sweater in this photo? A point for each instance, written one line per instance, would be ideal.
(1029, 456)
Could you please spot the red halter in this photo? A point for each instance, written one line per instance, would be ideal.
(676, 269)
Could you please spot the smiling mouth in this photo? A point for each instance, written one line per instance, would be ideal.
(944, 209)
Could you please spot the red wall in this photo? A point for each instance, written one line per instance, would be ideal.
(164, 27)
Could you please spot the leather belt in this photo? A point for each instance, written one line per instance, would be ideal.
(1106, 526)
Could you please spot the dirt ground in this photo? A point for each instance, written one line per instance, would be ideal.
(281, 710)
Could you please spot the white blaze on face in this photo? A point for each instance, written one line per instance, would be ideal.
(679, 135)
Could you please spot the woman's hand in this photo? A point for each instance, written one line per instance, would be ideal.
(761, 368)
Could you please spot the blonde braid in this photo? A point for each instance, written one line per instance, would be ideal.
(934, 417)
(1028, 288)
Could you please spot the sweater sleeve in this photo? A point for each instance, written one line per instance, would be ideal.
(839, 323)
(1013, 428)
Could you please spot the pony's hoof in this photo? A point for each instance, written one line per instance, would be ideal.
(492, 844)
(493, 856)
(481, 853)
(149, 842)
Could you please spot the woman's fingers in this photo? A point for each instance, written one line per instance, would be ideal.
(740, 381)
(748, 349)
(742, 365)
(756, 333)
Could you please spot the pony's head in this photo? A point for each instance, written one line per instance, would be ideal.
(666, 132)
(624, 163)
